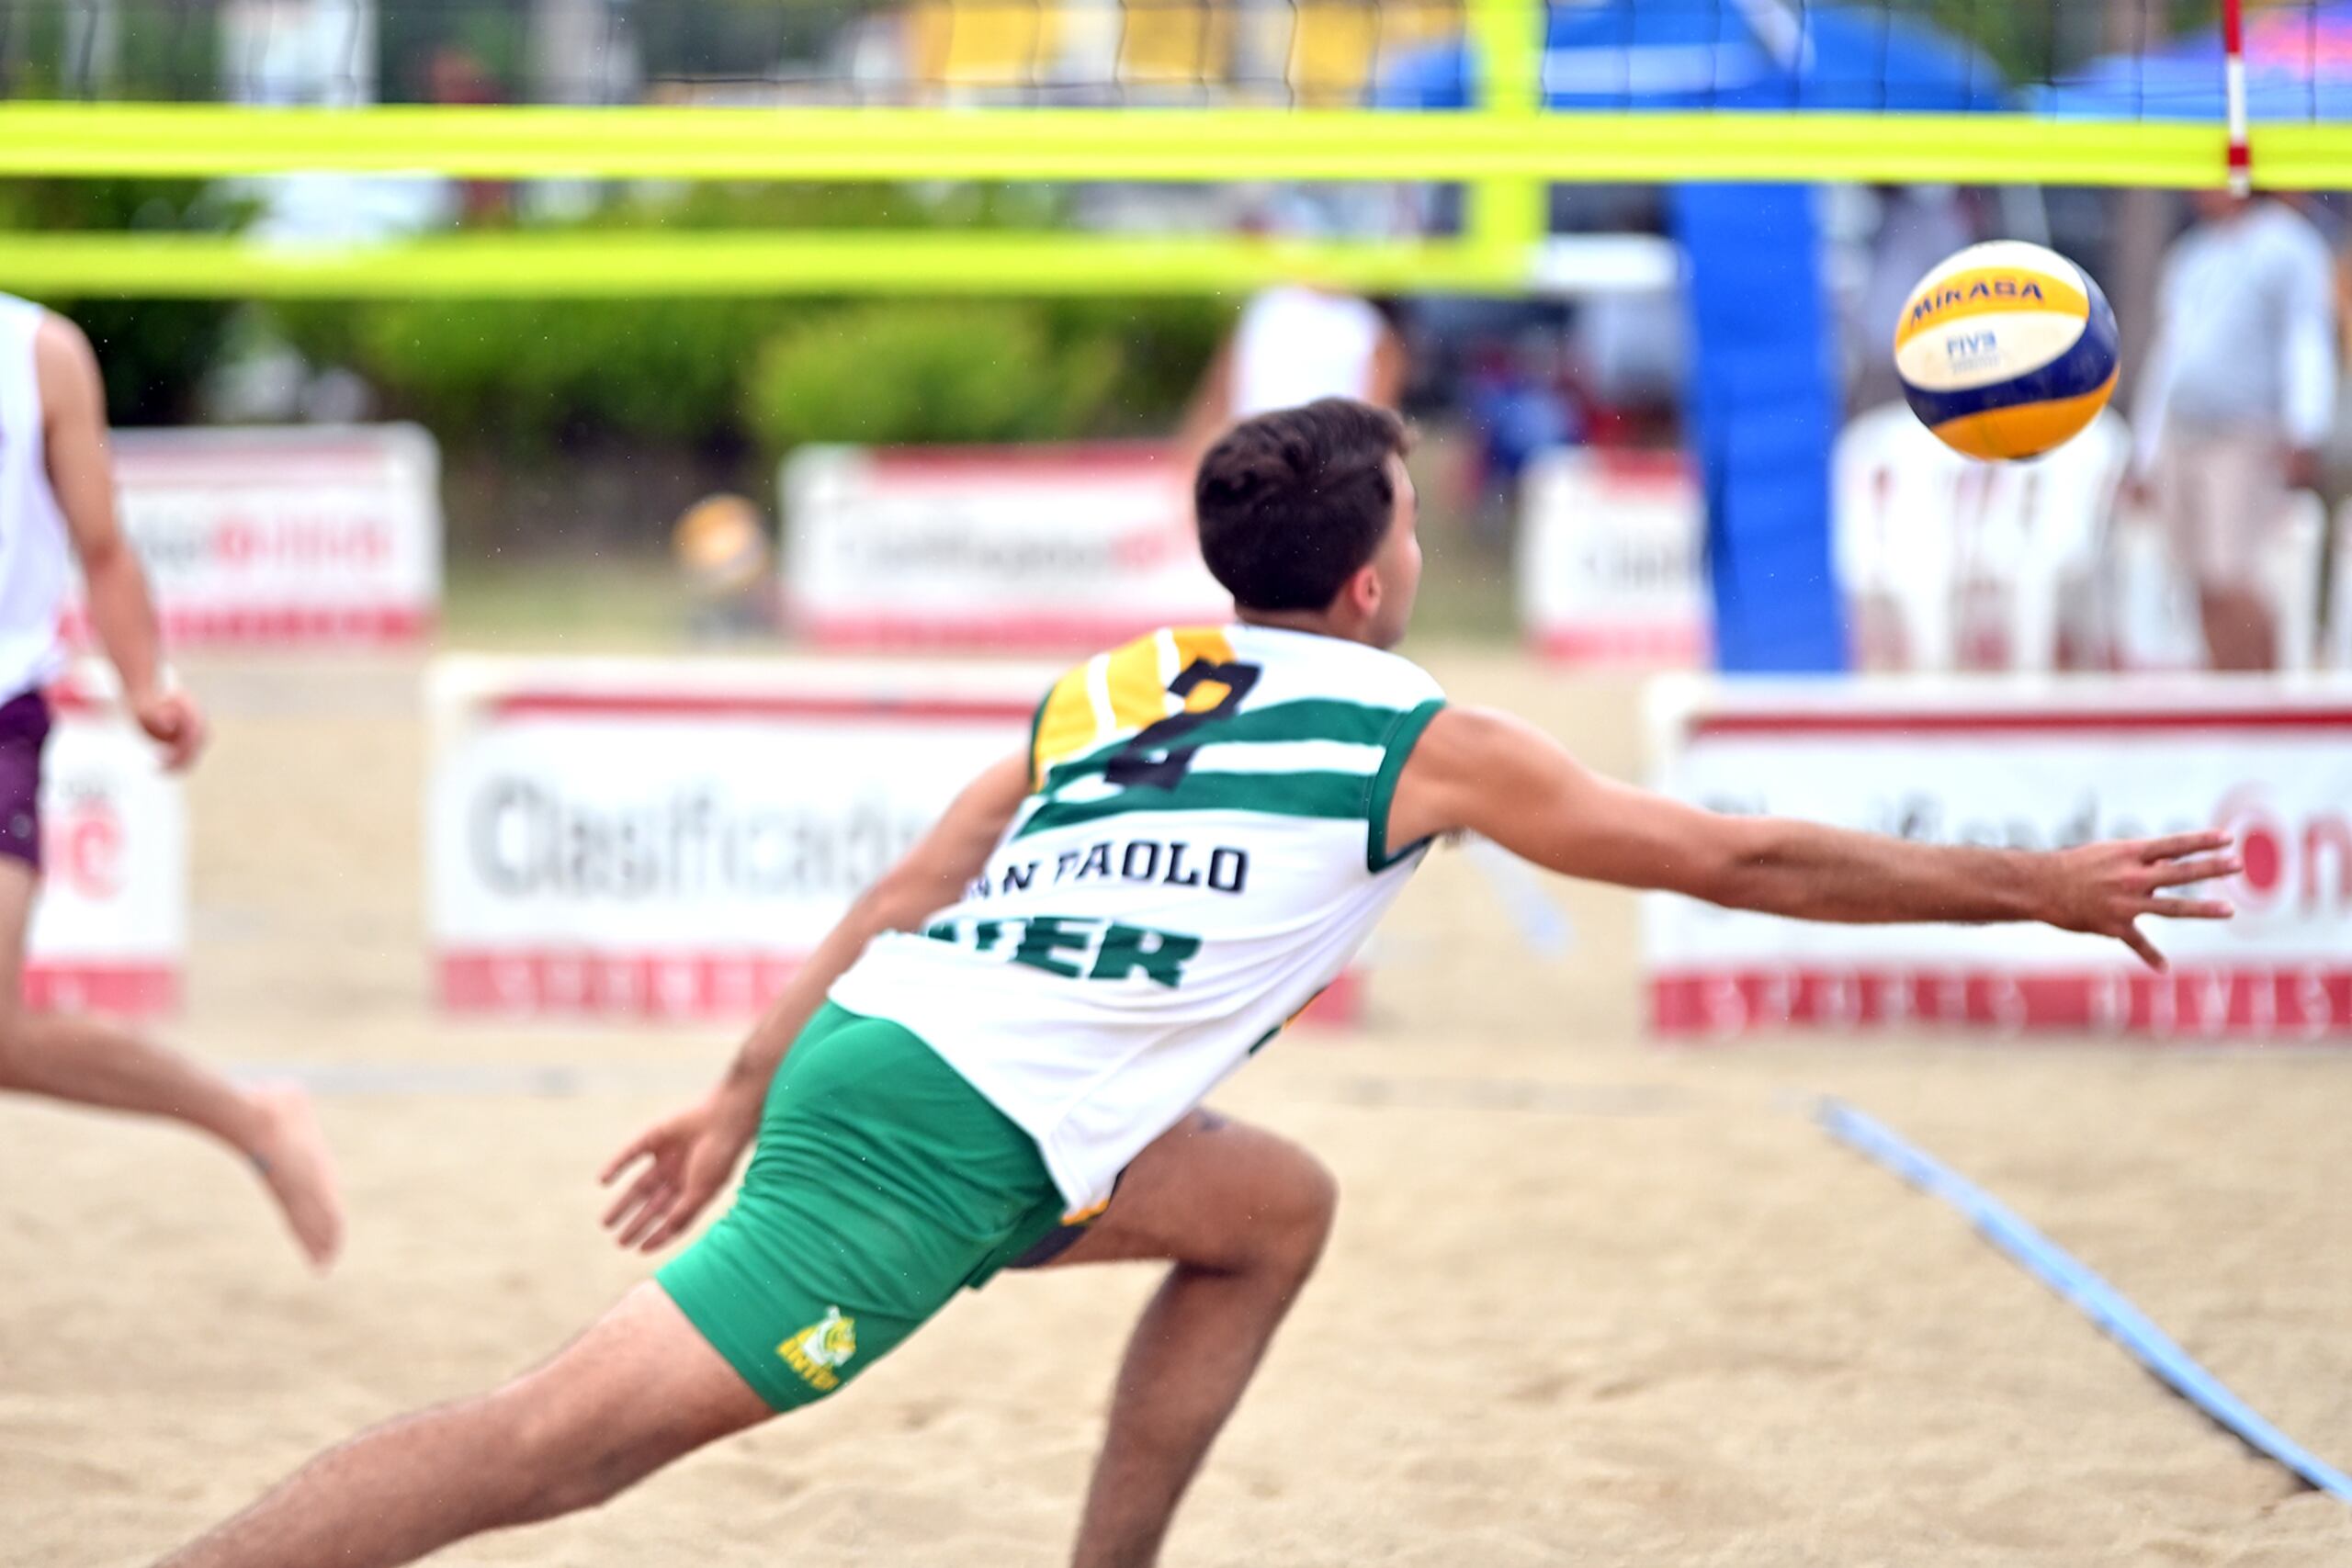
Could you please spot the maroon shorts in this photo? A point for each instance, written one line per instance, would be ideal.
(24, 731)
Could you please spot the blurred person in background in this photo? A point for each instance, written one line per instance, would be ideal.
(720, 544)
(1296, 342)
(1630, 352)
(2237, 399)
(1521, 403)
(456, 77)
(57, 504)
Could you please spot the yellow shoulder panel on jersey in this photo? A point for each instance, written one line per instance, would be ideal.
(1118, 692)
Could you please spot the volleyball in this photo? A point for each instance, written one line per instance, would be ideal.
(2006, 350)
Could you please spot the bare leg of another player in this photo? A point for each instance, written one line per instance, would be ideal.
(89, 1063)
(1243, 1215)
(639, 1389)
(2239, 631)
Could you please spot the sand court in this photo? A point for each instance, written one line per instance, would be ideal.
(1590, 1301)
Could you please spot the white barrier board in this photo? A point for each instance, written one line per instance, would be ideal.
(995, 548)
(1609, 567)
(305, 535)
(2026, 766)
(670, 838)
(109, 929)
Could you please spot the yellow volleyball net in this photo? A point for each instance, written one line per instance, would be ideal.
(1493, 100)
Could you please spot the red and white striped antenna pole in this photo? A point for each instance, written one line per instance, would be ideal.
(2233, 89)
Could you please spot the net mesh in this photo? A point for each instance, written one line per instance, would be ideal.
(2123, 58)
(1088, 101)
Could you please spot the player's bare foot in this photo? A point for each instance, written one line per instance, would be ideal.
(294, 1161)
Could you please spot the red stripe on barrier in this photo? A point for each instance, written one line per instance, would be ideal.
(2279, 1002)
(138, 448)
(127, 990)
(719, 705)
(282, 626)
(1005, 634)
(572, 983)
(995, 465)
(1680, 646)
(704, 985)
(1930, 721)
(68, 697)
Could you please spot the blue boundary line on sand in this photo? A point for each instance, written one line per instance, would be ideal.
(2094, 1297)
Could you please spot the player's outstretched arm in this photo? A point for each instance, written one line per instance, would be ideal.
(1497, 775)
(73, 431)
(687, 1158)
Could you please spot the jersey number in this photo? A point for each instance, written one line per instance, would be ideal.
(1153, 757)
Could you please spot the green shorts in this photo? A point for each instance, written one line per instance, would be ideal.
(882, 1183)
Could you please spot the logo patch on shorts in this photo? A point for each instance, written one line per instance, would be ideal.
(818, 1351)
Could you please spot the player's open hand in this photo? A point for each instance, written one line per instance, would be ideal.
(686, 1158)
(2104, 888)
(172, 717)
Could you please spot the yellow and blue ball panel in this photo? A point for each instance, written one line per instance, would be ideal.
(2006, 350)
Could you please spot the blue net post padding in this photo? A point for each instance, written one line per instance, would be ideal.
(1763, 412)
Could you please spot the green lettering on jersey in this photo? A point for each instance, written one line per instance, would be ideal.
(1048, 934)
(1161, 955)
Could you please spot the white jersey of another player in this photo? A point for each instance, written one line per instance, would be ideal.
(33, 546)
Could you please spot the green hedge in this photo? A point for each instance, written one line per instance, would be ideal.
(519, 380)
(153, 353)
(995, 370)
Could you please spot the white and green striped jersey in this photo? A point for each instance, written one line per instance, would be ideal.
(1202, 850)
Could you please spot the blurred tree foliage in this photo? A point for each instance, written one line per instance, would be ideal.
(142, 48)
(523, 377)
(981, 370)
(2036, 40)
(711, 40)
(927, 372)
(738, 38)
(154, 353)
(415, 42)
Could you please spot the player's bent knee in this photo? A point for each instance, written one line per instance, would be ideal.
(1293, 1223)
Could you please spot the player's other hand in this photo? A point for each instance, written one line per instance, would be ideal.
(684, 1161)
(2104, 888)
(172, 717)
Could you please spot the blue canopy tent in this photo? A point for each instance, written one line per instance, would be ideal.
(1727, 54)
(2298, 69)
(1763, 401)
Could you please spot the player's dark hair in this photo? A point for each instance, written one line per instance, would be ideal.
(1291, 504)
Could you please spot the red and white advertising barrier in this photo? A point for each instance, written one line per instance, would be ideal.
(670, 838)
(994, 548)
(667, 839)
(305, 535)
(109, 929)
(2030, 765)
(1608, 569)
